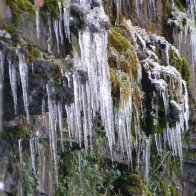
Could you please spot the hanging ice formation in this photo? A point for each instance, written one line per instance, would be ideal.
(146, 156)
(53, 120)
(23, 69)
(21, 164)
(13, 83)
(61, 25)
(37, 23)
(191, 6)
(56, 31)
(66, 16)
(94, 95)
(92, 92)
(33, 158)
(186, 23)
(2, 63)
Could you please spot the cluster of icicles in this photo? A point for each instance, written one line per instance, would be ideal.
(125, 4)
(189, 29)
(169, 86)
(94, 96)
(61, 25)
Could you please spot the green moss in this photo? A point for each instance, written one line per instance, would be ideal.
(179, 5)
(165, 188)
(134, 190)
(17, 7)
(132, 184)
(35, 52)
(184, 22)
(134, 179)
(128, 60)
(84, 171)
(52, 7)
(181, 64)
(13, 30)
(44, 17)
(18, 132)
(174, 190)
(116, 85)
(119, 42)
(189, 154)
(25, 5)
(15, 13)
(29, 180)
(125, 66)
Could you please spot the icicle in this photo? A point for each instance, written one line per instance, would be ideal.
(167, 54)
(152, 5)
(70, 120)
(186, 104)
(2, 186)
(21, 165)
(56, 31)
(20, 152)
(37, 23)
(158, 142)
(60, 117)
(50, 34)
(43, 111)
(193, 44)
(32, 150)
(118, 8)
(53, 118)
(106, 104)
(147, 158)
(32, 68)
(60, 22)
(68, 76)
(85, 117)
(123, 121)
(77, 108)
(13, 83)
(191, 6)
(23, 69)
(2, 64)
(66, 16)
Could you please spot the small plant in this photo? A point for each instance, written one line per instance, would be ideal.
(86, 171)
(28, 179)
(35, 52)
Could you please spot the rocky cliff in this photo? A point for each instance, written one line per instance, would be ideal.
(98, 97)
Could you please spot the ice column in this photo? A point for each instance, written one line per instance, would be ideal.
(23, 69)
(13, 83)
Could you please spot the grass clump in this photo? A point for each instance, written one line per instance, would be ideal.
(35, 52)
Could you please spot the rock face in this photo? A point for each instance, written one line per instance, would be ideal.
(82, 89)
